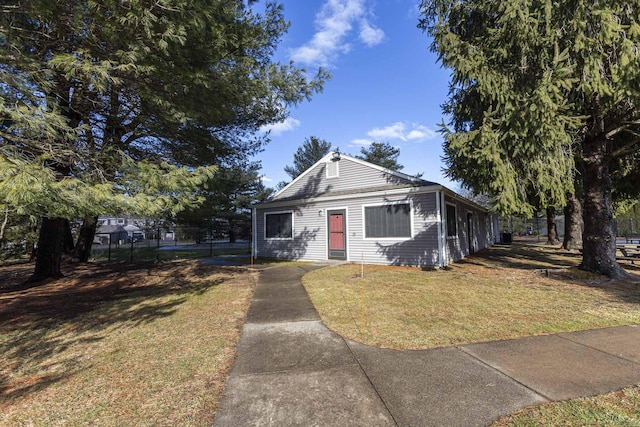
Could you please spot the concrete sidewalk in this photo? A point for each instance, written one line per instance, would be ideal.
(291, 370)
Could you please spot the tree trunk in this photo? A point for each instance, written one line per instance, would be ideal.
(232, 232)
(599, 238)
(67, 244)
(50, 249)
(5, 221)
(85, 238)
(572, 223)
(552, 230)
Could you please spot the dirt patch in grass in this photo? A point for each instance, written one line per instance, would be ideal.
(620, 408)
(501, 293)
(119, 344)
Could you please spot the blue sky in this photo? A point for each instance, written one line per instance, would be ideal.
(386, 84)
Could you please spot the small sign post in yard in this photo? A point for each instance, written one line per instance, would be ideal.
(362, 292)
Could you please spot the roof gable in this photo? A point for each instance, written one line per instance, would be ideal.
(352, 175)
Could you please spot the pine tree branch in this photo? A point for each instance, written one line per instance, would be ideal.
(627, 148)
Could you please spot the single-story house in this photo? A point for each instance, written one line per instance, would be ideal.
(114, 234)
(134, 233)
(344, 208)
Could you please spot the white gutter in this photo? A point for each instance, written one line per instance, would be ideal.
(464, 200)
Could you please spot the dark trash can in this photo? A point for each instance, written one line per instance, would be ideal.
(506, 238)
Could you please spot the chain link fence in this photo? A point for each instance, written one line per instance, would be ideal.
(144, 243)
(628, 227)
(536, 227)
(162, 243)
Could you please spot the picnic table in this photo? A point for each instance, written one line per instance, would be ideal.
(630, 238)
(629, 252)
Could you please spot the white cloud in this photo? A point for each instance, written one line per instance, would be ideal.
(394, 131)
(369, 35)
(361, 142)
(420, 133)
(264, 178)
(278, 128)
(403, 132)
(333, 23)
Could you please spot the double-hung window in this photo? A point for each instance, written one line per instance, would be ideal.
(388, 221)
(279, 225)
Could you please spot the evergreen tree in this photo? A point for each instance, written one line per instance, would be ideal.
(280, 185)
(572, 223)
(381, 154)
(552, 229)
(312, 150)
(533, 85)
(85, 85)
(481, 199)
(228, 197)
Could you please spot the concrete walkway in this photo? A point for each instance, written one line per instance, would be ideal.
(291, 370)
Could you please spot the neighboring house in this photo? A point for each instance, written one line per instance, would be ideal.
(344, 208)
(134, 233)
(132, 226)
(115, 234)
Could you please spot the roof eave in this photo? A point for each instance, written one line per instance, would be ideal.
(330, 197)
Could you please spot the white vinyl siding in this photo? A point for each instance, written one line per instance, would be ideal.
(483, 234)
(352, 176)
(309, 242)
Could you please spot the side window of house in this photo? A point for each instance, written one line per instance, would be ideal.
(452, 222)
(279, 225)
(388, 220)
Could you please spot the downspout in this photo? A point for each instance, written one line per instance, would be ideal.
(445, 251)
(440, 230)
(254, 233)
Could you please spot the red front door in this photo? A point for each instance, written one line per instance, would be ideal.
(337, 235)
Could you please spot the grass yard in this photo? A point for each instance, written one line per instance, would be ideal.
(620, 408)
(503, 292)
(119, 344)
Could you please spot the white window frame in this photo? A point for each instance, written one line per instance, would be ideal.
(326, 168)
(374, 205)
(279, 213)
(446, 224)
